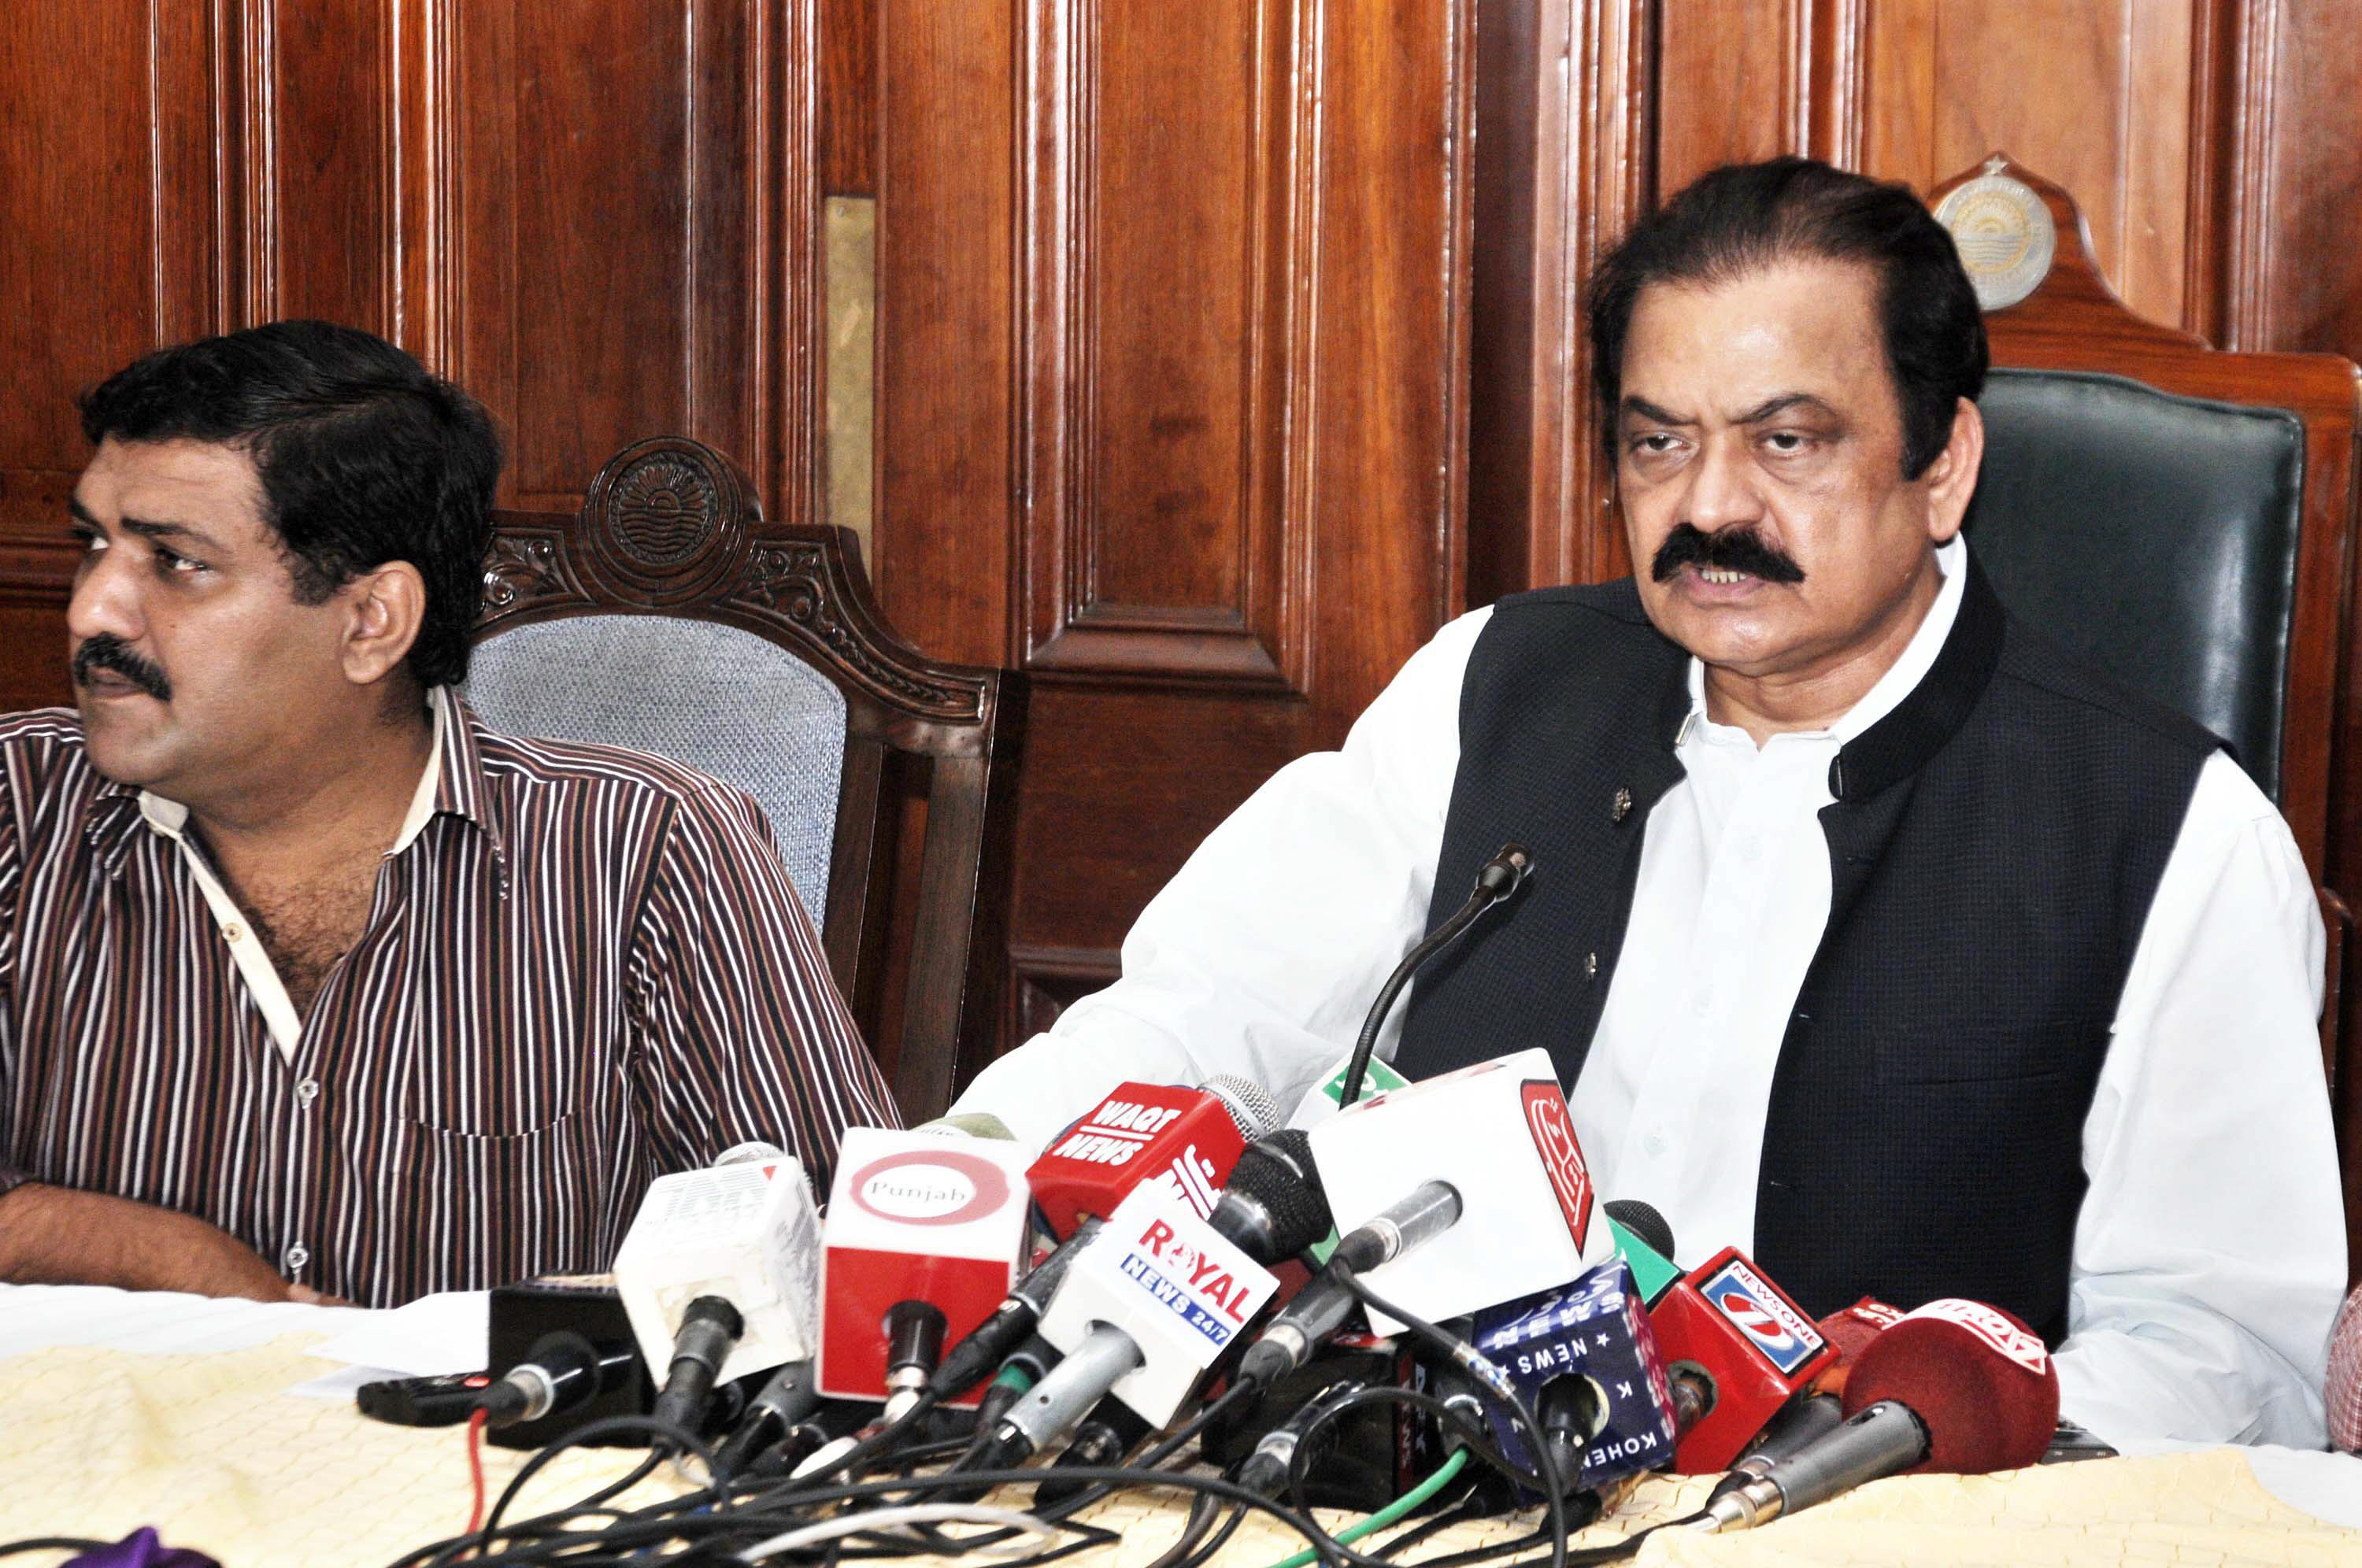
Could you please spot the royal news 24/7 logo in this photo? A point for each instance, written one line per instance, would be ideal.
(1760, 1312)
(1198, 1289)
(1562, 1156)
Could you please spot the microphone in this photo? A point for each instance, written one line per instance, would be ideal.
(2344, 1392)
(1320, 1308)
(1852, 1329)
(1273, 1206)
(745, 1233)
(1957, 1386)
(1499, 1134)
(1186, 1139)
(561, 1371)
(1747, 1344)
(709, 1329)
(785, 1402)
(1496, 880)
(1645, 1241)
(1586, 1355)
(1144, 1312)
(921, 1245)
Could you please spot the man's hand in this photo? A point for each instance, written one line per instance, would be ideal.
(55, 1235)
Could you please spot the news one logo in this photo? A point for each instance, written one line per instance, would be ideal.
(1562, 1156)
(930, 1187)
(1198, 1289)
(1757, 1311)
(1115, 1133)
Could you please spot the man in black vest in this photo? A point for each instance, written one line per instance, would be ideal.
(1870, 932)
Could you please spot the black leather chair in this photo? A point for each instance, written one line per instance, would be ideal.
(2185, 517)
(2155, 535)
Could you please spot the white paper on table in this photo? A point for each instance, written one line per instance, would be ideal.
(426, 1338)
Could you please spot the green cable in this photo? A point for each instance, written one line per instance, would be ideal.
(1392, 1511)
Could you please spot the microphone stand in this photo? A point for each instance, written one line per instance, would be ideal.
(1495, 880)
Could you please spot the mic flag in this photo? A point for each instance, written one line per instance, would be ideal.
(1852, 1329)
(747, 1233)
(2346, 1377)
(1171, 1283)
(1499, 1134)
(1185, 1140)
(1653, 1273)
(1594, 1331)
(921, 1219)
(1755, 1345)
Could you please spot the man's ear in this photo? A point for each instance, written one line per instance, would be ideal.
(1951, 479)
(386, 606)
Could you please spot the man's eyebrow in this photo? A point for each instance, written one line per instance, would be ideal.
(147, 530)
(1771, 406)
(81, 513)
(1640, 407)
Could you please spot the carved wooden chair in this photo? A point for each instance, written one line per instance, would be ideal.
(669, 616)
(2184, 517)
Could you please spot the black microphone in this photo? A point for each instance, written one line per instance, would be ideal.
(709, 1327)
(1273, 1207)
(1496, 880)
(562, 1370)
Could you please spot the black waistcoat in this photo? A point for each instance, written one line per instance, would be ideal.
(1994, 848)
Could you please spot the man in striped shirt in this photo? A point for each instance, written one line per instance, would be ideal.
(310, 984)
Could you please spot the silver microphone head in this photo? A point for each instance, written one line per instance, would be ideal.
(1249, 1103)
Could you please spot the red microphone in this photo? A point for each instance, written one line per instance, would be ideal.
(1956, 1387)
(2346, 1377)
(1184, 1140)
(1852, 1329)
(1726, 1326)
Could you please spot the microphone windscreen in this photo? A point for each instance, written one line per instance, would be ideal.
(2346, 1377)
(1250, 1104)
(1981, 1380)
(1276, 1171)
(1645, 1223)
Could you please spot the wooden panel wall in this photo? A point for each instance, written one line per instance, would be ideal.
(597, 217)
(2213, 146)
(1171, 344)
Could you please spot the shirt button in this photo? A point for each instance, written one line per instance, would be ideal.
(297, 1256)
(1751, 849)
(1703, 1003)
(307, 1091)
(235, 932)
(1654, 1142)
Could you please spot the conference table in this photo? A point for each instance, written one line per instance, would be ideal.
(217, 1424)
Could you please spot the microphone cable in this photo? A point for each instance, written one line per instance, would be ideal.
(1496, 880)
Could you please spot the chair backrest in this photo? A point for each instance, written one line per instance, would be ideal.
(669, 616)
(2181, 516)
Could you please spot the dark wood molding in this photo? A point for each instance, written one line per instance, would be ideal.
(1077, 620)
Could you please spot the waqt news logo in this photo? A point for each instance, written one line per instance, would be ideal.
(1116, 1132)
(1201, 1290)
(1757, 1311)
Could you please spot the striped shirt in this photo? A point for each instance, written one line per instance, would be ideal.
(582, 967)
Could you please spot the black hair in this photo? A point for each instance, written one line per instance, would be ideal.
(364, 459)
(1746, 217)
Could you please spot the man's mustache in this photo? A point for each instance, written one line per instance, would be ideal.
(107, 651)
(1725, 549)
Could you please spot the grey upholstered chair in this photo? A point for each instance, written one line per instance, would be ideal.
(668, 616)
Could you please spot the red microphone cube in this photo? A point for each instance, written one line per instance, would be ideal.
(1755, 1343)
(913, 1217)
(1181, 1138)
